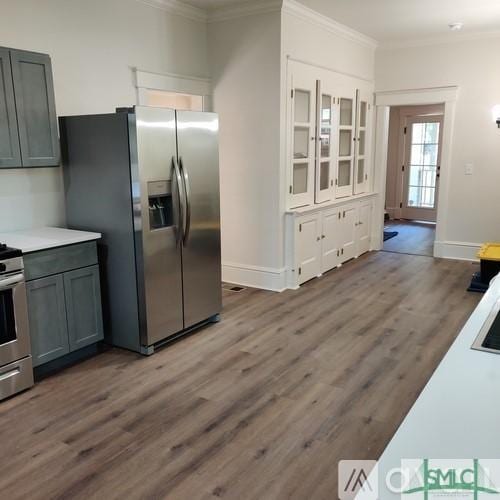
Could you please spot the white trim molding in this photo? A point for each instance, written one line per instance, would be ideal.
(178, 8)
(173, 83)
(456, 250)
(304, 13)
(249, 8)
(265, 278)
(415, 97)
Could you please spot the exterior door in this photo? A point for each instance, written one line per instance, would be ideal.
(158, 246)
(36, 110)
(308, 238)
(10, 153)
(422, 167)
(303, 137)
(330, 250)
(198, 157)
(346, 105)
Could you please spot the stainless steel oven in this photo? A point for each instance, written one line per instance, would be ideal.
(16, 372)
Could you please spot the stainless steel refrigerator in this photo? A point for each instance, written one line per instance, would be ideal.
(148, 180)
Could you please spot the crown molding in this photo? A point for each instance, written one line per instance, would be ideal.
(178, 8)
(249, 8)
(304, 13)
(441, 40)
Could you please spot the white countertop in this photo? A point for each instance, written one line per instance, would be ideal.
(328, 204)
(457, 415)
(32, 240)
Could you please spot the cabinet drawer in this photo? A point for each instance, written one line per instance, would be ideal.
(59, 260)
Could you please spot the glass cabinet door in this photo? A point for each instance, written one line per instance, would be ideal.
(303, 110)
(346, 106)
(325, 154)
(362, 139)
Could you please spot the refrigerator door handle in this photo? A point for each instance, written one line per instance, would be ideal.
(180, 200)
(187, 197)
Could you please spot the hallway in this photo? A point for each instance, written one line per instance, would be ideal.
(415, 238)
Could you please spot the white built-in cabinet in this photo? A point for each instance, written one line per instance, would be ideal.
(329, 135)
(323, 239)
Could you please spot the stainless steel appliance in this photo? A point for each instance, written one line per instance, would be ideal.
(16, 371)
(148, 180)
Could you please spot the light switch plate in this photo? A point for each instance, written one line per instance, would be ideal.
(469, 168)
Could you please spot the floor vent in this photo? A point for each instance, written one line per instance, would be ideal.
(233, 288)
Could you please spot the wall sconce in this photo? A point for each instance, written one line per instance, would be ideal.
(495, 113)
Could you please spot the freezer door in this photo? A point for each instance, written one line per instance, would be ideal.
(199, 163)
(157, 221)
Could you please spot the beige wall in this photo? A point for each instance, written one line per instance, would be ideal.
(474, 203)
(94, 44)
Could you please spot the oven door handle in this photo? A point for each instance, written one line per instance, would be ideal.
(11, 281)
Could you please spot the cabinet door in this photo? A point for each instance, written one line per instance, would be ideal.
(326, 142)
(363, 227)
(303, 132)
(83, 307)
(363, 129)
(348, 246)
(36, 112)
(330, 237)
(10, 153)
(47, 319)
(308, 238)
(346, 111)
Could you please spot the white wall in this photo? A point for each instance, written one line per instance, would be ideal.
(474, 203)
(245, 66)
(94, 44)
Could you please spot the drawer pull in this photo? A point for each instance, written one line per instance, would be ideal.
(9, 374)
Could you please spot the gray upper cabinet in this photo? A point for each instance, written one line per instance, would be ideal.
(10, 152)
(83, 307)
(47, 314)
(36, 111)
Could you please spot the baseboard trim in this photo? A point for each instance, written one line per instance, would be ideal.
(459, 250)
(266, 278)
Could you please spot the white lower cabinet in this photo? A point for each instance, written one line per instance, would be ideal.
(325, 239)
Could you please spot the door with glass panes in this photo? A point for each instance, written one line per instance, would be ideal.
(422, 167)
(303, 113)
(362, 141)
(326, 153)
(346, 108)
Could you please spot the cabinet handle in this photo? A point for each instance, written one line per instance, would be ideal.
(318, 238)
(322, 236)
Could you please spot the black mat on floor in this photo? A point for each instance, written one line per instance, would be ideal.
(389, 234)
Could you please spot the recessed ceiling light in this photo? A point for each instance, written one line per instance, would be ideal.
(456, 26)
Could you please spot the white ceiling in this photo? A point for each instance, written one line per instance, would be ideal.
(399, 20)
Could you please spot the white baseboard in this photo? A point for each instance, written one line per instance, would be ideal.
(266, 278)
(459, 250)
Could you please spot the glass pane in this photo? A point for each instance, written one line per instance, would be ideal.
(326, 110)
(344, 178)
(302, 99)
(361, 171)
(325, 142)
(430, 154)
(417, 155)
(417, 134)
(362, 114)
(345, 143)
(421, 198)
(300, 143)
(422, 186)
(346, 112)
(432, 132)
(361, 145)
(300, 178)
(324, 175)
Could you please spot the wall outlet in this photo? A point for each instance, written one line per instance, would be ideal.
(469, 169)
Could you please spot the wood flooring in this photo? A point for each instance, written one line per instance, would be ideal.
(262, 405)
(414, 238)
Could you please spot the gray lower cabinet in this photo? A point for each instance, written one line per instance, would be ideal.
(83, 307)
(64, 300)
(28, 121)
(47, 317)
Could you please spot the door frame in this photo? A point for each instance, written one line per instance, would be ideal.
(383, 102)
(419, 213)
